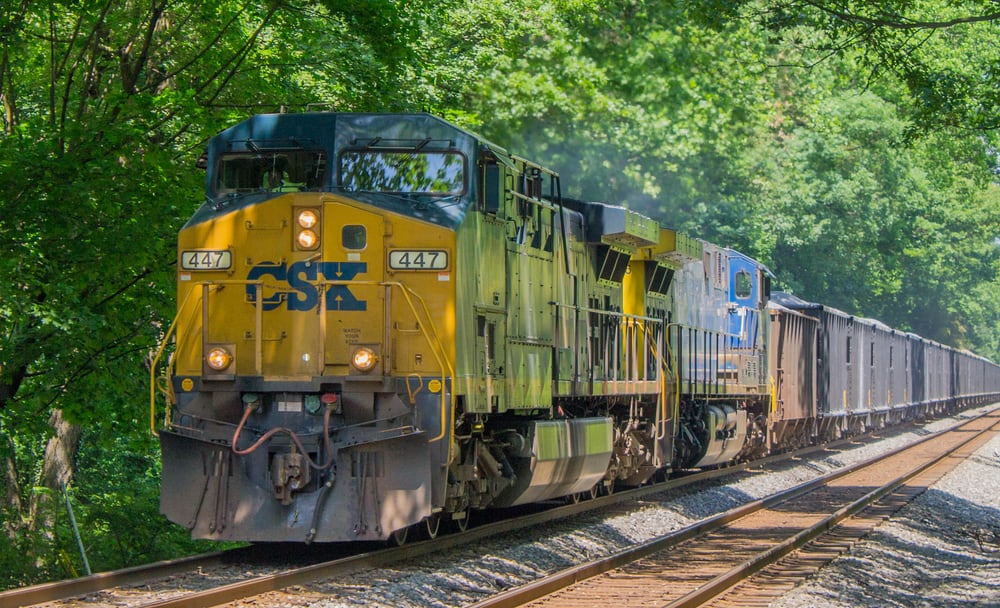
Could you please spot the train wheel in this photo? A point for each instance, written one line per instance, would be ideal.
(398, 538)
(461, 524)
(432, 525)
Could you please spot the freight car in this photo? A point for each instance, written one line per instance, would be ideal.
(866, 375)
(386, 322)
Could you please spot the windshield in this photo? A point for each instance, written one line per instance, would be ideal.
(272, 171)
(397, 172)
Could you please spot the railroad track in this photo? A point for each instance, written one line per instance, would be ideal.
(48, 592)
(151, 576)
(165, 583)
(784, 538)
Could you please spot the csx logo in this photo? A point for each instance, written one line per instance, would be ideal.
(303, 293)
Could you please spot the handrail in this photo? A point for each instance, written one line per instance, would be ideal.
(437, 348)
(623, 321)
(407, 292)
(653, 348)
(675, 364)
(167, 391)
(662, 380)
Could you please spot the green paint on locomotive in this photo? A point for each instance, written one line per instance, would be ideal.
(551, 375)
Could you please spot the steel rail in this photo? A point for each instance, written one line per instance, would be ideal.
(565, 578)
(723, 582)
(244, 589)
(60, 590)
(235, 591)
(47, 592)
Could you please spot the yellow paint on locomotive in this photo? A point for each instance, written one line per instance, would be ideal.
(634, 303)
(317, 306)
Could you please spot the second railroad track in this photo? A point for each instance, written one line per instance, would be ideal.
(703, 564)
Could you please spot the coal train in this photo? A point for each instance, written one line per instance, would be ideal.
(386, 323)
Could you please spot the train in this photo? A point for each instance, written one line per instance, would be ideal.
(386, 323)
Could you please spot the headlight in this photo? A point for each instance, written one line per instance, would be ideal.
(307, 228)
(364, 359)
(308, 239)
(219, 358)
(308, 218)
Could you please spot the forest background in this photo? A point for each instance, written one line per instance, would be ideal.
(850, 146)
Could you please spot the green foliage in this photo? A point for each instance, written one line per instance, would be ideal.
(117, 486)
(848, 145)
(854, 206)
(115, 502)
(100, 132)
(630, 102)
(14, 571)
(938, 50)
(89, 244)
(765, 128)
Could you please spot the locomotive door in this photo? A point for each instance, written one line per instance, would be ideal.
(744, 302)
(354, 302)
(490, 372)
(744, 299)
(530, 316)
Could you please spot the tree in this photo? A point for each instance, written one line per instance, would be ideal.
(773, 128)
(851, 209)
(106, 107)
(939, 50)
(807, 133)
(633, 103)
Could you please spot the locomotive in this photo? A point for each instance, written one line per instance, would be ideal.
(386, 323)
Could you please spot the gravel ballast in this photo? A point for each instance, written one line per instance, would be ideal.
(941, 550)
(925, 557)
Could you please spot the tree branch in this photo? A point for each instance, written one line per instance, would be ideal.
(901, 23)
(132, 68)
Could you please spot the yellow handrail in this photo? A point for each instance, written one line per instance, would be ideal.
(662, 380)
(168, 393)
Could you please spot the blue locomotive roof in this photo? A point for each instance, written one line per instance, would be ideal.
(413, 164)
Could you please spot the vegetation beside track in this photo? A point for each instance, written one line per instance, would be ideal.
(854, 153)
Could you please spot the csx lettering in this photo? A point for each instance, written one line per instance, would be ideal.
(304, 293)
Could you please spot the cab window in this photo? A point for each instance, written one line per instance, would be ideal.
(401, 172)
(744, 286)
(270, 171)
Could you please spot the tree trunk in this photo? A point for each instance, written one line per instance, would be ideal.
(10, 490)
(57, 473)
